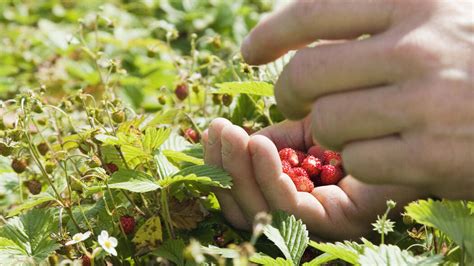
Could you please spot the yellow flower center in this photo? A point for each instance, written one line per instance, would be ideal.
(107, 244)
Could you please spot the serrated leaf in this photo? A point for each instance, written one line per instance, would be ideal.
(176, 142)
(182, 157)
(454, 218)
(172, 250)
(392, 255)
(132, 180)
(247, 87)
(31, 234)
(33, 201)
(164, 117)
(149, 234)
(186, 214)
(263, 259)
(347, 251)
(209, 175)
(288, 234)
(164, 167)
(153, 138)
(321, 259)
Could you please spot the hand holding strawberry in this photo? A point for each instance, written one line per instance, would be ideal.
(264, 182)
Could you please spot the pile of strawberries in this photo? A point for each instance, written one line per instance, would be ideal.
(318, 167)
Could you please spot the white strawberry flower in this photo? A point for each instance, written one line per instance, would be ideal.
(107, 242)
(79, 237)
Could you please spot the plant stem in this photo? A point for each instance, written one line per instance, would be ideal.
(166, 213)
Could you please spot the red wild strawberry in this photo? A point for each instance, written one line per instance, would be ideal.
(332, 158)
(301, 180)
(286, 167)
(182, 91)
(317, 151)
(331, 174)
(288, 154)
(312, 165)
(301, 156)
(192, 135)
(128, 223)
(111, 167)
(86, 261)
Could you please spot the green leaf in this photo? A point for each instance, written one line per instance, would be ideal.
(267, 260)
(29, 234)
(32, 202)
(182, 157)
(392, 255)
(347, 251)
(288, 234)
(247, 87)
(210, 174)
(321, 259)
(454, 218)
(132, 180)
(153, 138)
(164, 166)
(223, 252)
(164, 117)
(172, 250)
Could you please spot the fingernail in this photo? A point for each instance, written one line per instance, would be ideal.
(212, 136)
(227, 146)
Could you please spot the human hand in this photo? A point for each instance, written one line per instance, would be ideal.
(330, 212)
(398, 105)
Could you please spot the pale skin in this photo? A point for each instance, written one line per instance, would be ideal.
(399, 106)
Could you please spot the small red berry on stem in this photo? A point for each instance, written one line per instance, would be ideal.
(111, 167)
(192, 135)
(128, 223)
(182, 91)
(86, 261)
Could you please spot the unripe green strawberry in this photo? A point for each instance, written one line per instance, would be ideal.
(16, 134)
(49, 167)
(19, 165)
(216, 99)
(162, 99)
(5, 149)
(36, 107)
(118, 116)
(94, 162)
(43, 148)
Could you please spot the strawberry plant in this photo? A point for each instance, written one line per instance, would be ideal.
(103, 108)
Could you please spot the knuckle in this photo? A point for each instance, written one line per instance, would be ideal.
(411, 50)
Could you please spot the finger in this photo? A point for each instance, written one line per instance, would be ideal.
(331, 68)
(212, 156)
(213, 143)
(237, 162)
(321, 210)
(363, 114)
(412, 161)
(302, 22)
(293, 134)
